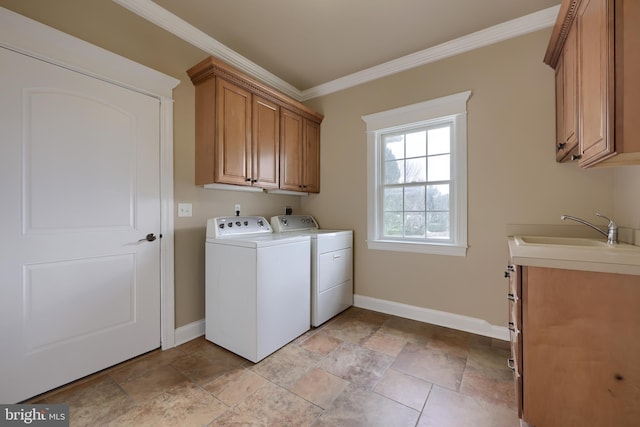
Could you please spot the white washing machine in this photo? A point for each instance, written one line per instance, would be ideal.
(331, 264)
(257, 286)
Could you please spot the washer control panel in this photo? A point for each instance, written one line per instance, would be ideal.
(283, 223)
(227, 226)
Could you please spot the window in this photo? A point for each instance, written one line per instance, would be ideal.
(417, 177)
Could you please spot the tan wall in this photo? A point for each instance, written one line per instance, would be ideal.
(627, 203)
(513, 178)
(114, 28)
(512, 175)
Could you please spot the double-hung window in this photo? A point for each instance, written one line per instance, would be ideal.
(417, 189)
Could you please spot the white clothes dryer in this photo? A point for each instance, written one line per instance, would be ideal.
(331, 264)
(257, 286)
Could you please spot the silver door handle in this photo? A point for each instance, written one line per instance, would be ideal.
(149, 238)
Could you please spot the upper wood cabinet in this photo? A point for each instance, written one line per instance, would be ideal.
(233, 134)
(601, 117)
(265, 144)
(567, 100)
(299, 153)
(311, 158)
(245, 135)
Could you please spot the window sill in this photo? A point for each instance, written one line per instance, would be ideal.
(424, 248)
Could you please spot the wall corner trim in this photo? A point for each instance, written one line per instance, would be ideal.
(435, 317)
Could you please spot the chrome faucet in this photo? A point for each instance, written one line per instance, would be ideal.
(612, 235)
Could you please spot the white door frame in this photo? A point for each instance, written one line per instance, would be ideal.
(32, 38)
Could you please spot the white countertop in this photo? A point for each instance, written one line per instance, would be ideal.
(621, 258)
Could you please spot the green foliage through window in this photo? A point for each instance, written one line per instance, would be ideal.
(416, 183)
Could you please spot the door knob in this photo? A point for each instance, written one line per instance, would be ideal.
(149, 238)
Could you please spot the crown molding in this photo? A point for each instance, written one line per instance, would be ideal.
(504, 31)
(154, 13)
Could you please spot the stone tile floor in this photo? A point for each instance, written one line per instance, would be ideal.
(361, 368)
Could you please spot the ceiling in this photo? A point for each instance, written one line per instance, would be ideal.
(294, 45)
(311, 42)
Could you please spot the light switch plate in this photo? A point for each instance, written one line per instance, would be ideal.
(184, 209)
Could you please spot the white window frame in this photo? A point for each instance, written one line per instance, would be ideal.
(453, 109)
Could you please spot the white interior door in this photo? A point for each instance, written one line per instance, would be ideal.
(80, 188)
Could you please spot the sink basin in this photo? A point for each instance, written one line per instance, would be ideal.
(561, 241)
(579, 253)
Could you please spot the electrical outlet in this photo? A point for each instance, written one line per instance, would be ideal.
(184, 209)
(237, 209)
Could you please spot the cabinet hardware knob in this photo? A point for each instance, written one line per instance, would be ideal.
(510, 269)
(576, 156)
(511, 365)
(561, 145)
(512, 297)
(248, 179)
(512, 328)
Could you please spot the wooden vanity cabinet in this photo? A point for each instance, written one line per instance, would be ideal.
(606, 37)
(580, 346)
(243, 133)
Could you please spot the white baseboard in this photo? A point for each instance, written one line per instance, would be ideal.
(190, 331)
(436, 317)
(195, 329)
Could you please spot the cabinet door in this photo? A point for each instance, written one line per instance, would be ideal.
(568, 98)
(595, 79)
(291, 150)
(205, 132)
(570, 88)
(581, 348)
(561, 153)
(233, 134)
(311, 157)
(266, 143)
